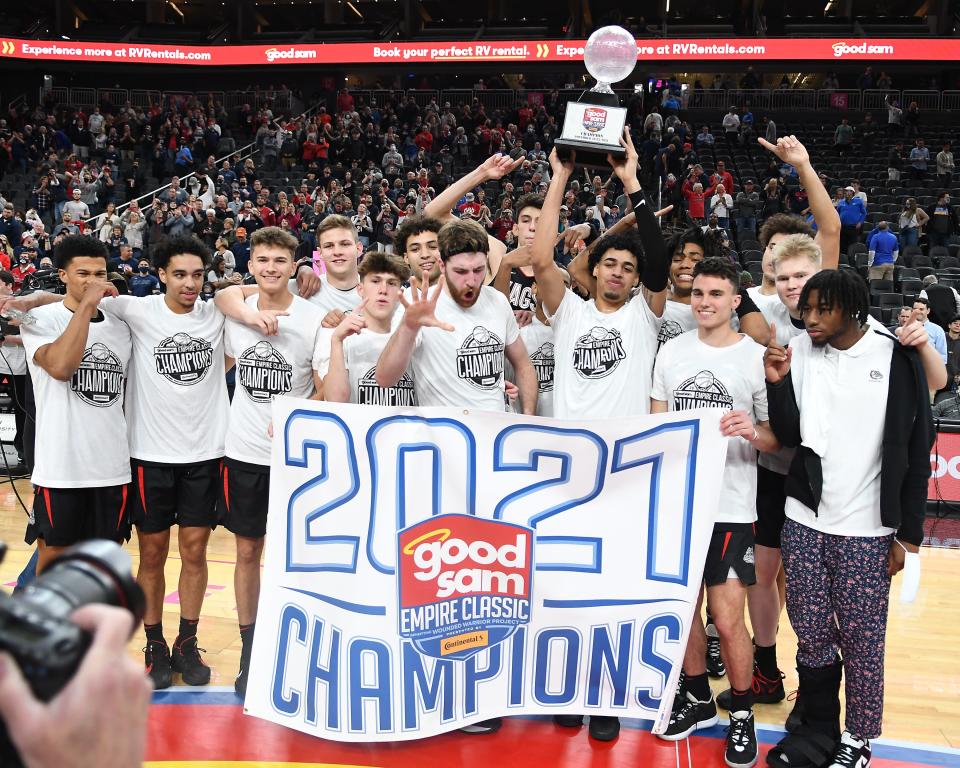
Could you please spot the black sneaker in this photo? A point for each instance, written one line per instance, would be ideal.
(688, 716)
(484, 726)
(766, 690)
(715, 665)
(851, 752)
(156, 657)
(604, 727)
(188, 662)
(240, 684)
(741, 749)
(568, 721)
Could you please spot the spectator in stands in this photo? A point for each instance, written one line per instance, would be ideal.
(894, 117)
(852, 214)
(24, 266)
(722, 176)
(696, 200)
(919, 157)
(772, 199)
(911, 119)
(883, 251)
(843, 137)
(943, 300)
(868, 134)
(78, 210)
(895, 160)
(66, 226)
(912, 219)
(705, 138)
(953, 353)
(865, 81)
(938, 338)
(731, 127)
(945, 165)
(143, 282)
(943, 221)
(6, 253)
(653, 125)
(241, 251)
(769, 130)
(10, 226)
(721, 205)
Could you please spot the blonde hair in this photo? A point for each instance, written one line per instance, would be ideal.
(336, 221)
(794, 247)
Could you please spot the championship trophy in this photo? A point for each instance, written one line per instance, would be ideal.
(594, 122)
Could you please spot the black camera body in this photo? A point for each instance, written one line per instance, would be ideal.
(35, 626)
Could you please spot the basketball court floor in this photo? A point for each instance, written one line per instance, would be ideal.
(206, 727)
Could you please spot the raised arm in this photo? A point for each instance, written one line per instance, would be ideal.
(550, 285)
(790, 150)
(61, 358)
(494, 167)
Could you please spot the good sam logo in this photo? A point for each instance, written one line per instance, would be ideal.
(594, 119)
(98, 380)
(464, 583)
(480, 359)
(263, 373)
(183, 359)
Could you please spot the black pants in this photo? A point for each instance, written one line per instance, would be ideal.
(30, 424)
(19, 384)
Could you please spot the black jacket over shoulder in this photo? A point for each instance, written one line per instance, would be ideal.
(908, 435)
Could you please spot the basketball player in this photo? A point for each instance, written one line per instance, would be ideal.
(340, 251)
(516, 281)
(77, 355)
(718, 367)
(415, 241)
(272, 358)
(853, 401)
(346, 357)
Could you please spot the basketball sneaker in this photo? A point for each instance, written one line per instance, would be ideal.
(188, 662)
(851, 753)
(715, 665)
(604, 727)
(156, 657)
(568, 721)
(741, 751)
(484, 726)
(240, 684)
(766, 690)
(688, 716)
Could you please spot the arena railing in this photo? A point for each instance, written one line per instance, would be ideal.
(88, 98)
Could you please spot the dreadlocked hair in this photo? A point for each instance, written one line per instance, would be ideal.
(839, 289)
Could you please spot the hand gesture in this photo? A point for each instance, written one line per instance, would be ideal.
(519, 257)
(737, 424)
(913, 333)
(308, 283)
(571, 235)
(421, 312)
(523, 316)
(776, 360)
(498, 166)
(626, 167)
(95, 290)
(562, 167)
(267, 321)
(352, 323)
(788, 149)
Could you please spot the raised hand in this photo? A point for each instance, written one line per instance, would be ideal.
(562, 167)
(788, 149)
(498, 166)
(421, 311)
(626, 167)
(776, 360)
(913, 333)
(352, 323)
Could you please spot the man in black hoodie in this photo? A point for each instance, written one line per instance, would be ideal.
(855, 508)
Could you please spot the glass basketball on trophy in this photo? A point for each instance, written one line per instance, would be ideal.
(594, 122)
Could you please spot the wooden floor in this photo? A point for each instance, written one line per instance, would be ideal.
(923, 644)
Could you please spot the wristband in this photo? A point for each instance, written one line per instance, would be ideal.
(656, 264)
(747, 305)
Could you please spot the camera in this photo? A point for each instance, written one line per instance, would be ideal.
(35, 626)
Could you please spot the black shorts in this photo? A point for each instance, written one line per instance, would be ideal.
(244, 498)
(771, 503)
(65, 516)
(174, 494)
(731, 548)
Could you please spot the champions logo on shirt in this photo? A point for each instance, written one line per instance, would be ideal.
(99, 379)
(464, 583)
(702, 391)
(542, 361)
(370, 393)
(263, 373)
(480, 359)
(183, 359)
(597, 353)
(669, 329)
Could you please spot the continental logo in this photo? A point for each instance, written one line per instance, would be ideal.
(281, 54)
(841, 49)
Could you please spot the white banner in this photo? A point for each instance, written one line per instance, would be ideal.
(430, 568)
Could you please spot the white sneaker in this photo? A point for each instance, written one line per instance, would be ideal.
(851, 752)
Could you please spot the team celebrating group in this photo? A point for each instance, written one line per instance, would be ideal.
(826, 414)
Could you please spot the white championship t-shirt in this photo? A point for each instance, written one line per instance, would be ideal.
(329, 298)
(13, 359)
(691, 374)
(267, 366)
(360, 355)
(464, 367)
(81, 429)
(538, 339)
(603, 361)
(177, 405)
(850, 389)
(677, 318)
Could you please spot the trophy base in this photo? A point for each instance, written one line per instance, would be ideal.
(587, 155)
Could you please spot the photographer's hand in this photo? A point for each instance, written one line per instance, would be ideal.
(99, 718)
